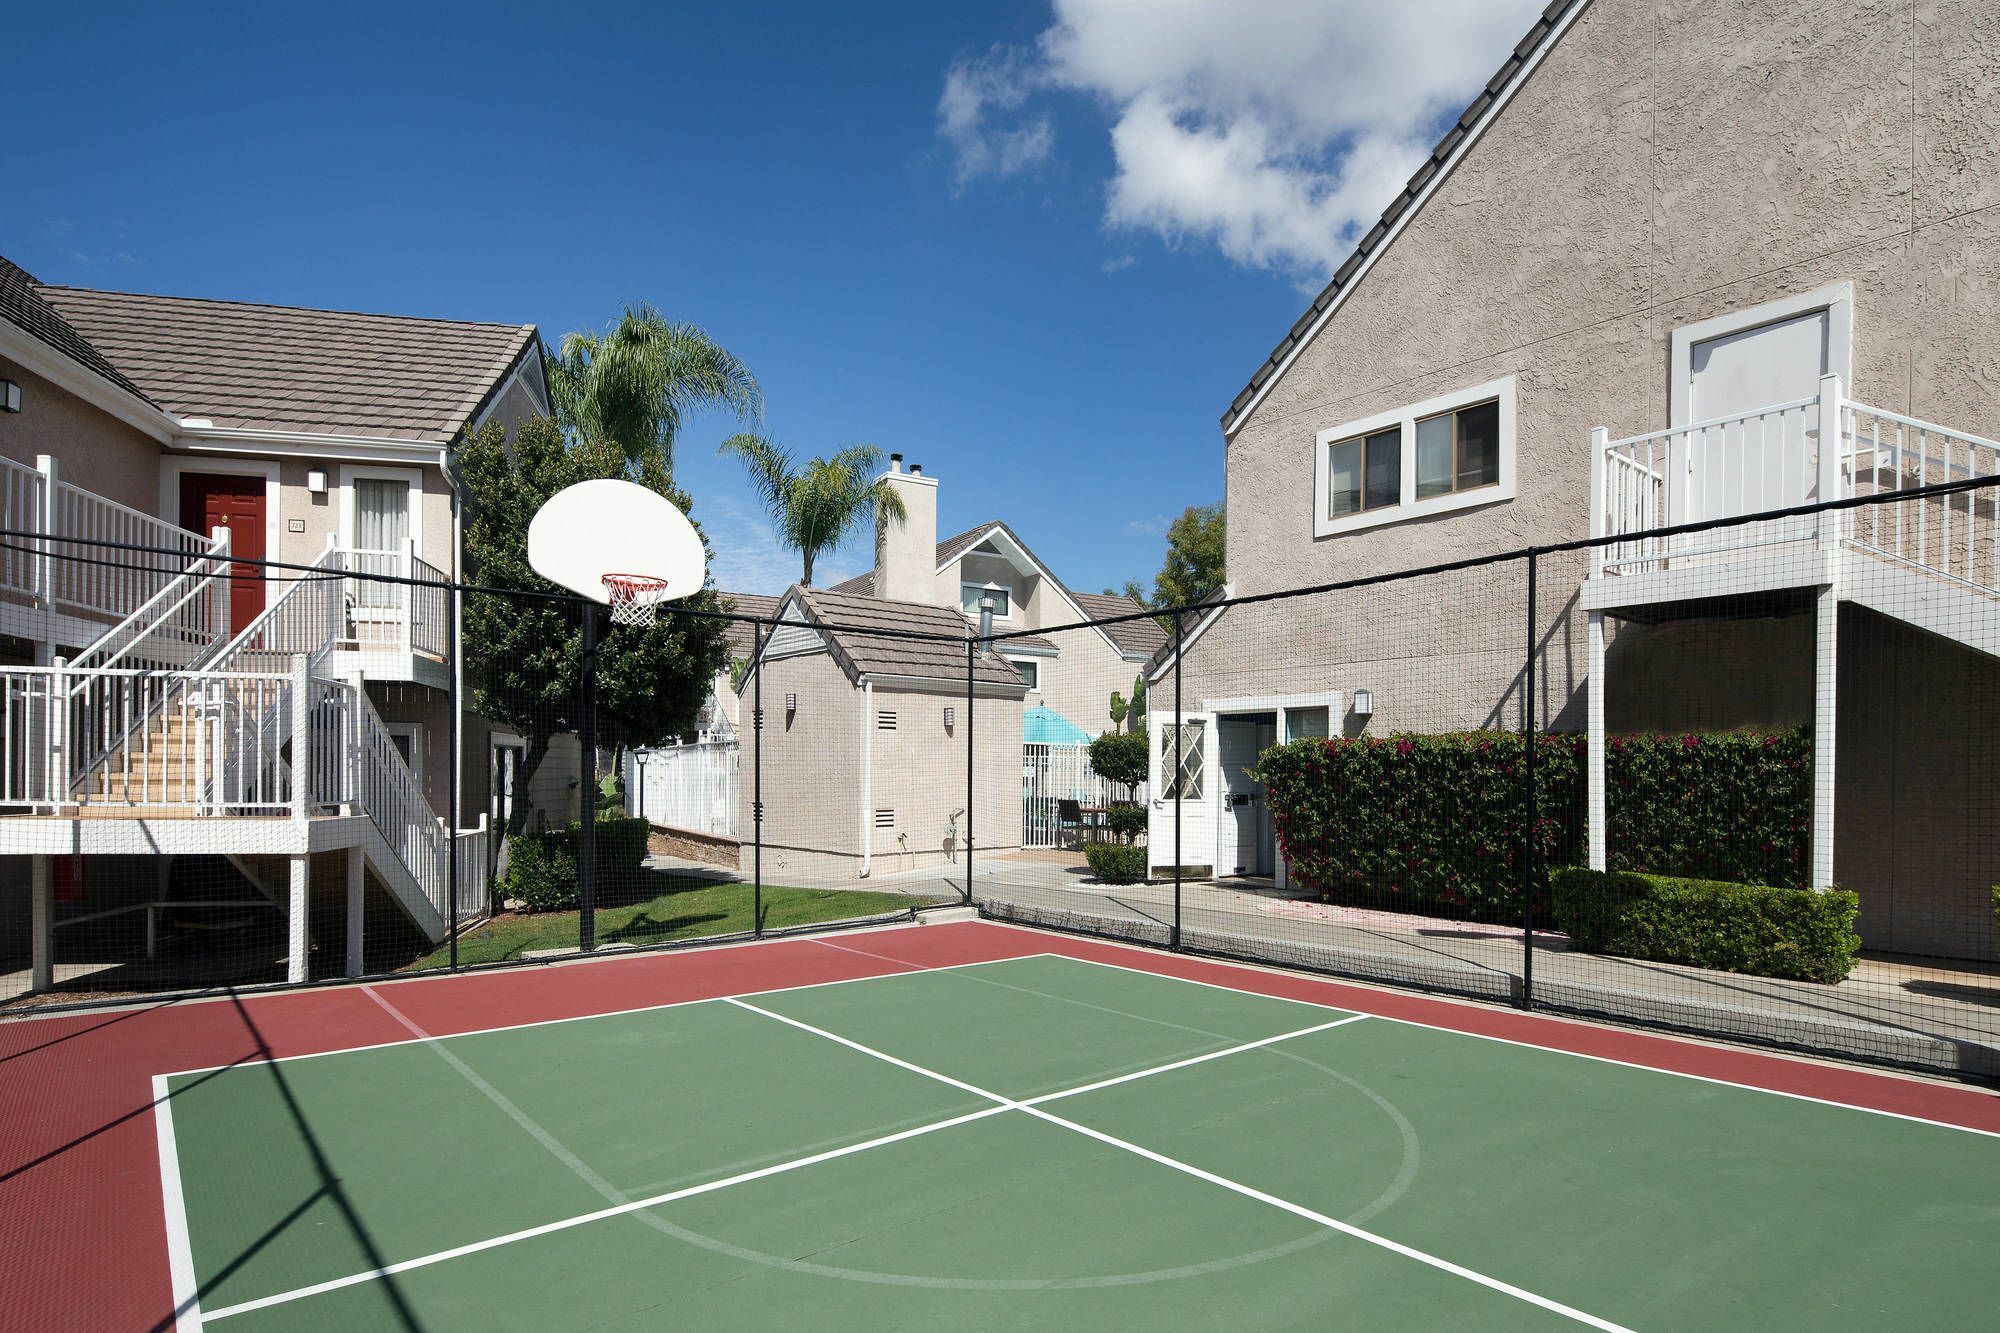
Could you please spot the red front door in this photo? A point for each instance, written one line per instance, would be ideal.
(211, 500)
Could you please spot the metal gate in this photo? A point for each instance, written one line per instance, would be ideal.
(1055, 773)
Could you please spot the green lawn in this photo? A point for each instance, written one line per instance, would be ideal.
(719, 910)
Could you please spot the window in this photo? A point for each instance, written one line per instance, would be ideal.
(1447, 453)
(1181, 761)
(1031, 671)
(969, 595)
(1458, 451)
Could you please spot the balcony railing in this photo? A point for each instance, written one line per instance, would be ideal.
(57, 564)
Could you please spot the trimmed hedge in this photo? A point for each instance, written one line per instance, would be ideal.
(542, 867)
(1116, 862)
(1435, 824)
(1755, 928)
(1125, 819)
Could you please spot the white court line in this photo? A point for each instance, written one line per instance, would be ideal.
(608, 1013)
(1191, 1060)
(584, 1219)
(180, 1253)
(1558, 1050)
(1247, 1191)
(1000, 1104)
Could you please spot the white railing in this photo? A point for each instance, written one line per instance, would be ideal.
(179, 625)
(1052, 774)
(185, 740)
(1755, 461)
(57, 563)
(1954, 536)
(383, 786)
(23, 509)
(390, 613)
(306, 619)
(693, 787)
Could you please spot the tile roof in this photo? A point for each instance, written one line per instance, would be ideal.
(285, 368)
(846, 618)
(948, 550)
(742, 635)
(1135, 638)
(22, 305)
(1517, 60)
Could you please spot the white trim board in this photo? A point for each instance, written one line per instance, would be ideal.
(349, 473)
(1408, 507)
(174, 466)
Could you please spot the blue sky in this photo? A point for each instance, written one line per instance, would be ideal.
(1017, 244)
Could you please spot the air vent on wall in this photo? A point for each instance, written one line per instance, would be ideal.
(885, 819)
(885, 720)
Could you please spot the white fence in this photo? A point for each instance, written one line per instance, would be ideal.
(1052, 774)
(693, 787)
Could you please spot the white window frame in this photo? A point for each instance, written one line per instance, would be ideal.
(1408, 505)
(983, 588)
(1037, 664)
(411, 477)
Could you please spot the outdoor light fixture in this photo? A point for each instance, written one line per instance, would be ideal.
(791, 703)
(10, 396)
(1364, 703)
(948, 715)
(316, 482)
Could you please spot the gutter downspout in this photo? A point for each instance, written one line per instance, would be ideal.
(867, 776)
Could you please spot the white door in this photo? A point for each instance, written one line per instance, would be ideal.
(1770, 461)
(1243, 819)
(1186, 789)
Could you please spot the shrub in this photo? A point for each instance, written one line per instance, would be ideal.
(1437, 823)
(1116, 862)
(1121, 757)
(1125, 819)
(542, 867)
(1755, 928)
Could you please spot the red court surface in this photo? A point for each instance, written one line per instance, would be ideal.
(81, 1205)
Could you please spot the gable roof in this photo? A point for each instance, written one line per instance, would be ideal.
(844, 620)
(1470, 123)
(286, 368)
(21, 305)
(742, 637)
(1134, 639)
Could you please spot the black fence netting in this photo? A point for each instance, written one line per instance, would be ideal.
(1737, 778)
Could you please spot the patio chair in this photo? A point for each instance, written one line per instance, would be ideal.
(1069, 815)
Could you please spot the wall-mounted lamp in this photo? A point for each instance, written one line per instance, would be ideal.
(791, 703)
(949, 715)
(1364, 703)
(316, 481)
(10, 396)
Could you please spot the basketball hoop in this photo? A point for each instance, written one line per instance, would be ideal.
(633, 597)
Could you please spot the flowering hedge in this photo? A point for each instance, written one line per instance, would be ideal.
(1436, 823)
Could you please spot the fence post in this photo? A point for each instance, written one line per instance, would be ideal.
(757, 781)
(1528, 767)
(451, 753)
(586, 857)
(971, 791)
(1174, 783)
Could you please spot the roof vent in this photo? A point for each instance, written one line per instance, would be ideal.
(895, 462)
(916, 469)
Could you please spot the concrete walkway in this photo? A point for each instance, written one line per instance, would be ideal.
(1937, 1015)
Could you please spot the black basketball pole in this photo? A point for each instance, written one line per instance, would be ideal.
(1179, 770)
(586, 858)
(451, 745)
(968, 769)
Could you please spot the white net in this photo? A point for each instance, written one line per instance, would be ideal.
(634, 597)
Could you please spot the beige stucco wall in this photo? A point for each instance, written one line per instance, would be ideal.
(1078, 683)
(92, 448)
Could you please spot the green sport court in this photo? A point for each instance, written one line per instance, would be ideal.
(972, 1125)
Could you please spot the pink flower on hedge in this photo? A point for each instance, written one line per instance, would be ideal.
(1404, 747)
(1690, 741)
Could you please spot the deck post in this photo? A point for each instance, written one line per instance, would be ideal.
(1600, 514)
(41, 875)
(1594, 744)
(295, 916)
(45, 523)
(302, 759)
(1831, 429)
(355, 889)
(1826, 661)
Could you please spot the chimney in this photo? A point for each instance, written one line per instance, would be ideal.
(906, 552)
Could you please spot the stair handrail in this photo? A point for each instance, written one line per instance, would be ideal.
(155, 613)
(391, 797)
(312, 585)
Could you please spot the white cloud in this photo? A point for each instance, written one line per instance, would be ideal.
(999, 81)
(749, 558)
(1274, 131)
(1156, 526)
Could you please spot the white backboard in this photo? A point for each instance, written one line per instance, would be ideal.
(607, 526)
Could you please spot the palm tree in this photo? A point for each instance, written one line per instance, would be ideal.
(636, 384)
(817, 505)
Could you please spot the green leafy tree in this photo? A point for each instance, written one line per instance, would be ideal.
(1137, 711)
(1193, 567)
(818, 504)
(1121, 757)
(524, 653)
(634, 385)
(1118, 710)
